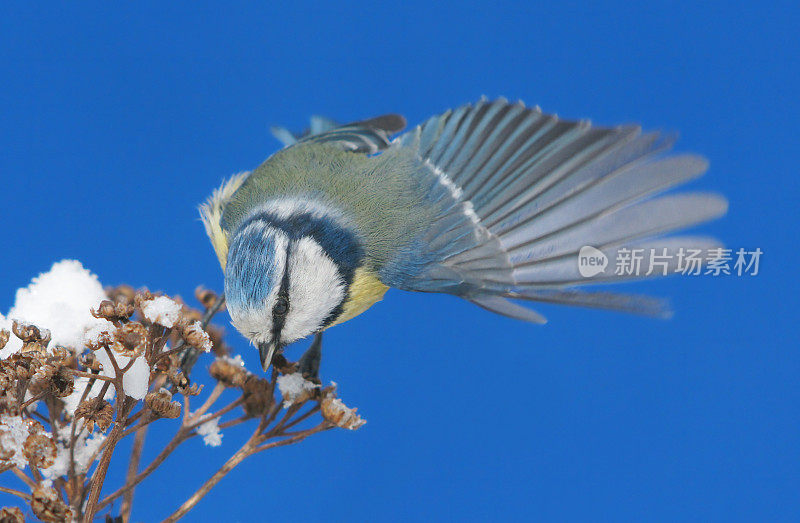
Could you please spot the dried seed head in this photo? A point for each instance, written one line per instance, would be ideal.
(11, 515)
(62, 383)
(195, 336)
(22, 366)
(89, 361)
(9, 405)
(165, 363)
(4, 337)
(121, 294)
(142, 296)
(258, 395)
(6, 382)
(101, 339)
(162, 405)
(193, 390)
(34, 427)
(62, 355)
(336, 412)
(188, 314)
(295, 389)
(37, 387)
(59, 380)
(114, 311)
(217, 335)
(47, 506)
(6, 450)
(124, 310)
(177, 378)
(106, 310)
(95, 411)
(32, 348)
(8, 378)
(228, 372)
(34, 339)
(206, 297)
(28, 332)
(130, 340)
(40, 450)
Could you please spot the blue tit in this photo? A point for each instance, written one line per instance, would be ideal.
(491, 202)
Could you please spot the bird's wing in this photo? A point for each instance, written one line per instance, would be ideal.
(365, 136)
(524, 191)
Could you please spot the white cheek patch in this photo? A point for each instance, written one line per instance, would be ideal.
(256, 323)
(315, 289)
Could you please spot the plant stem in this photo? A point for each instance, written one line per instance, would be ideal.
(24, 477)
(32, 399)
(89, 375)
(248, 449)
(224, 410)
(214, 396)
(229, 465)
(297, 437)
(133, 467)
(99, 475)
(23, 495)
(179, 438)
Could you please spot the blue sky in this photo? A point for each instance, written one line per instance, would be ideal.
(116, 121)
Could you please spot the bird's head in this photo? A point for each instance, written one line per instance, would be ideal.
(287, 277)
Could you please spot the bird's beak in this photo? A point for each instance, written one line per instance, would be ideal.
(266, 351)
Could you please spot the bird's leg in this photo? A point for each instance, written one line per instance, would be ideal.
(309, 361)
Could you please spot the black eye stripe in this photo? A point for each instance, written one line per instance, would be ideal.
(278, 317)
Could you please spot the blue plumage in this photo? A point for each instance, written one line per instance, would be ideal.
(251, 271)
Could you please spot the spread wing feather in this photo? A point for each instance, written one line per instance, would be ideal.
(527, 190)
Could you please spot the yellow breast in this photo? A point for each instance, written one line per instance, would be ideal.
(365, 291)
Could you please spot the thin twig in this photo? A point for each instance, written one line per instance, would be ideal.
(234, 422)
(302, 418)
(23, 495)
(185, 410)
(214, 396)
(99, 475)
(224, 410)
(139, 426)
(133, 468)
(73, 437)
(32, 400)
(179, 438)
(229, 465)
(91, 376)
(248, 449)
(24, 477)
(297, 437)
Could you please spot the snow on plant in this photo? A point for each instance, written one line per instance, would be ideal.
(82, 368)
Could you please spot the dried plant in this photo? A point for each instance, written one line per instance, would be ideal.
(64, 409)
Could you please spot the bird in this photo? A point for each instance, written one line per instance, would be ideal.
(491, 202)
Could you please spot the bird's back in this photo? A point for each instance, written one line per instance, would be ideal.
(375, 196)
